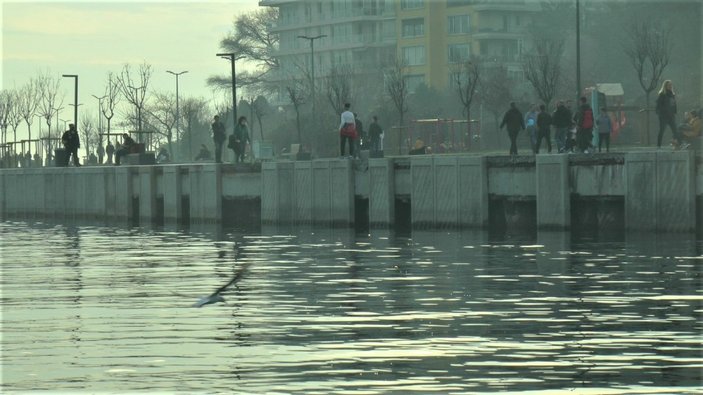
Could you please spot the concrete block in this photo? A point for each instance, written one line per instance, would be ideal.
(147, 194)
(675, 191)
(553, 192)
(640, 191)
(303, 192)
(341, 192)
(473, 191)
(205, 193)
(422, 197)
(446, 193)
(322, 199)
(276, 190)
(381, 192)
(172, 186)
(123, 193)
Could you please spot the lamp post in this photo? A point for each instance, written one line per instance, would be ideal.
(75, 97)
(178, 117)
(100, 113)
(578, 51)
(312, 72)
(232, 58)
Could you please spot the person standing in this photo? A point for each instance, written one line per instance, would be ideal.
(584, 123)
(375, 133)
(605, 127)
(544, 129)
(514, 123)
(109, 150)
(347, 130)
(241, 139)
(71, 142)
(219, 136)
(360, 136)
(666, 110)
(531, 126)
(562, 123)
(101, 154)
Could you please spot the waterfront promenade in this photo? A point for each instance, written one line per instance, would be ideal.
(635, 190)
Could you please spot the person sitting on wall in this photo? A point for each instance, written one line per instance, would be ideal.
(127, 145)
(204, 153)
(692, 130)
(419, 148)
(163, 156)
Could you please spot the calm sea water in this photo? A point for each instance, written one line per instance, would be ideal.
(328, 311)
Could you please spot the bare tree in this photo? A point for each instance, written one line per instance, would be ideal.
(6, 103)
(296, 95)
(496, 90)
(261, 108)
(253, 39)
(466, 79)
(28, 101)
(397, 88)
(163, 113)
(49, 101)
(88, 134)
(542, 68)
(649, 51)
(339, 87)
(194, 112)
(134, 88)
(112, 98)
(14, 114)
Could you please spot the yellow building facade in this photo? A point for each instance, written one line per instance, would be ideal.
(434, 35)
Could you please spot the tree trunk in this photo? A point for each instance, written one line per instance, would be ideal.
(297, 124)
(468, 128)
(646, 112)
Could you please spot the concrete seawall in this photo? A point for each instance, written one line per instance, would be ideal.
(649, 191)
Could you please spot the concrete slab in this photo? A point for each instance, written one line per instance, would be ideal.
(553, 192)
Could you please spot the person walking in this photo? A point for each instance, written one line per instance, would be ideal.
(514, 123)
(101, 154)
(584, 123)
(375, 133)
(347, 130)
(240, 139)
(109, 150)
(544, 128)
(562, 120)
(531, 126)
(605, 127)
(71, 142)
(219, 136)
(666, 110)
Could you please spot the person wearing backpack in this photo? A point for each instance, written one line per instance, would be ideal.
(605, 127)
(584, 123)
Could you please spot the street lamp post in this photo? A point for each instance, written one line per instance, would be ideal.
(75, 97)
(100, 108)
(232, 58)
(178, 115)
(578, 51)
(312, 72)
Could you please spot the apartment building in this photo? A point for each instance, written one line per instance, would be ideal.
(355, 33)
(434, 35)
(429, 35)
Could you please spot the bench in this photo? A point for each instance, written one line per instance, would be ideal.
(293, 153)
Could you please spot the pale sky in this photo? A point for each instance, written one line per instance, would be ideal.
(90, 38)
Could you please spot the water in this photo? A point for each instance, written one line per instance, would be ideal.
(327, 311)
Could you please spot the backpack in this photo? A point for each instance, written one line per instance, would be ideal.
(587, 120)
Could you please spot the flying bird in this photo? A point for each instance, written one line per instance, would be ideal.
(215, 297)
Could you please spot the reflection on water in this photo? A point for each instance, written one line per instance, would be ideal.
(327, 311)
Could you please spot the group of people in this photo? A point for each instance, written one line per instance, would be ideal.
(574, 132)
(237, 141)
(351, 132)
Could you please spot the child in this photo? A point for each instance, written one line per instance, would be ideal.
(605, 127)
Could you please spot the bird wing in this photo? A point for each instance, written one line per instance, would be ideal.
(237, 276)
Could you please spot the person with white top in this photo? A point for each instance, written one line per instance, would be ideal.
(347, 130)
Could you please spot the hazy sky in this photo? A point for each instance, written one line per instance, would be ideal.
(90, 38)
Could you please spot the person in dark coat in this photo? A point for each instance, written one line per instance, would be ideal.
(562, 120)
(127, 144)
(219, 136)
(544, 129)
(666, 110)
(514, 123)
(71, 142)
(375, 133)
(241, 139)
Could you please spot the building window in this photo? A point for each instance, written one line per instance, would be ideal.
(413, 81)
(459, 3)
(411, 4)
(458, 52)
(414, 56)
(458, 24)
(413, 27)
